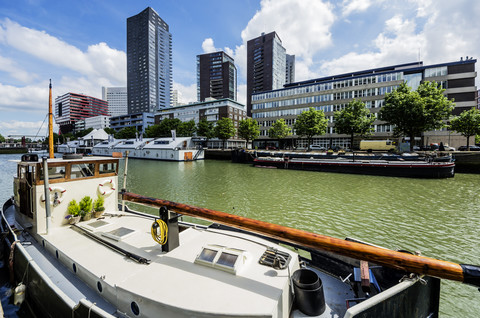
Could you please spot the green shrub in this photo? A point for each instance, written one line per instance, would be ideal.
(73, 208)
(86, 205)
(98, 204)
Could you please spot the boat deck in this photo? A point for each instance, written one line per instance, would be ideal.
(174, 280)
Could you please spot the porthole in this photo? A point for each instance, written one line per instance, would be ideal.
(135, 309)
(74, 267)
(99, 286)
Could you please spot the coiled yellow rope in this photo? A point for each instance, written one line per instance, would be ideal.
(159, 231)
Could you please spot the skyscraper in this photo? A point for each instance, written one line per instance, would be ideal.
(290, 69)
(117, 100)
(266, 65)
(149, 62)
(216, 76)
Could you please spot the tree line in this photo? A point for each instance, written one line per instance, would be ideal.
(410, 112)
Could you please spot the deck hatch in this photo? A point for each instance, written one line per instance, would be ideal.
(271, 254)
(119, 233)
(220, 257)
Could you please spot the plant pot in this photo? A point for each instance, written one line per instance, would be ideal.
(87, 217)
(98, 214)
(74, 219)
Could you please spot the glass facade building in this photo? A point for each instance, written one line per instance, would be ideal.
(71, 108)
(216, 76)
(149, 62)
(267, 65)
(333, 93)
(116, 98)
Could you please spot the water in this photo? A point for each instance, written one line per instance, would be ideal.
(440, 218)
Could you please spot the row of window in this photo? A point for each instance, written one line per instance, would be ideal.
(326, 97)
(330, 85)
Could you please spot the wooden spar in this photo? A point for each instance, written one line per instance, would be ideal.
(469, 274)
(50, 123)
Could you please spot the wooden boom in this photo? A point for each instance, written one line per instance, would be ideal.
(469, 274)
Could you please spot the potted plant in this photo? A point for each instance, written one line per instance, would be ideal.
(73, 210)
(86, 206)
(98, 207)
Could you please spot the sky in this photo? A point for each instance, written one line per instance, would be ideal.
(81, 45)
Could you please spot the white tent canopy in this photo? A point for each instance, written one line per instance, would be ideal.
(97, 134)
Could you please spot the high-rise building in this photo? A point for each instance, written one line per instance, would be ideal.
(71, 107)
(149, 62)
(216, 76)
(266, 65)
(116, 98)
(290, 69)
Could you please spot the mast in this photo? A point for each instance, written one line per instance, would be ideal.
(50, 123)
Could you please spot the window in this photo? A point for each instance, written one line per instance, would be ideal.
(107, 168)
(82, 170)
(53, 173)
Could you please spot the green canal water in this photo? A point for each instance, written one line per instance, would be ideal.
(440, 218)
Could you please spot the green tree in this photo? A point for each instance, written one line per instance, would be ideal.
(109, 130)
(83, 133)
(187, 128)
(413, 112)
(248, 129)
(126, 133)
(206, 129)
(353, 120)
(311, 123)
(467, 124)
(2, 139)
(279, 130)
(224, 129)
(163, 129)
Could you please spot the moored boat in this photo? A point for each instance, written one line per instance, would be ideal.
(127, 263)
(444, 168)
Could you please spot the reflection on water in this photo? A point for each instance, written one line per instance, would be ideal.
(440, 218)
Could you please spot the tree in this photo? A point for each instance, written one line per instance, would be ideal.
(248, 129)
(279, 130)
(467, 124)
(109, 131)
(224, 129)
(164, 129)
(413, 112)
(2, 139)
(187, 128)
(353, 120)
(126, 133)
(311, 123)
(205, 129)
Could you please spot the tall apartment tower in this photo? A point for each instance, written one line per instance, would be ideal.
(216, 76)
(149, 62)
(290, 69)
(266, 65)
(116, 98)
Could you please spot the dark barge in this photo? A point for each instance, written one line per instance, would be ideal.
(410, 169)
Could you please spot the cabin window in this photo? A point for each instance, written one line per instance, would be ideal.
(110, 167)
(82, 170)
(57, 172)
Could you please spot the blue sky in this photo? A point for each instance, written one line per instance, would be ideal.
(81, 45)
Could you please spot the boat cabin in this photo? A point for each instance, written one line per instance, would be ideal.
(98, 176)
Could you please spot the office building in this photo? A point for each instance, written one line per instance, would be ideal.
(139, 121)
(72, 107)
(216, 76)
(266, 65)
(332, 93)
(116, 98)
(149, 62)
(97, 122)
(210, 110)
(290, 69)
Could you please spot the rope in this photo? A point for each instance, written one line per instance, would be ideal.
(159, 232)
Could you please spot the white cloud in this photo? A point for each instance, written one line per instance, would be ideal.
(98, 61)
(11, 67)
(208, 46)
(353, 6)
(187, 94)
